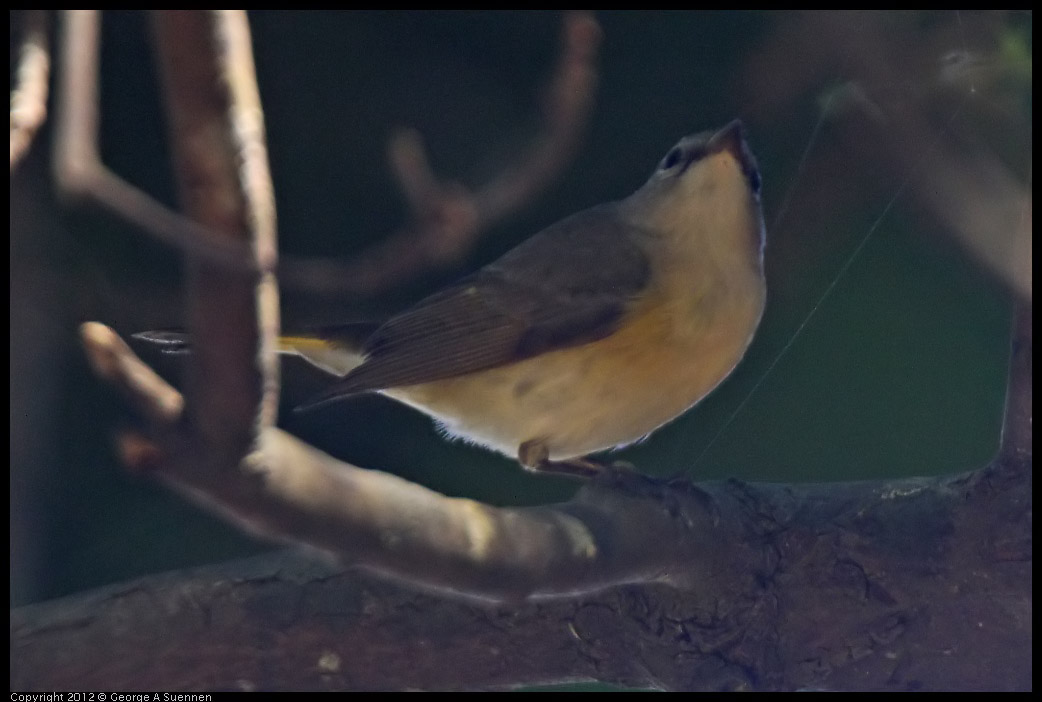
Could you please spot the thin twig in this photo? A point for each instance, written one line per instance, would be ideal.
(29, 97)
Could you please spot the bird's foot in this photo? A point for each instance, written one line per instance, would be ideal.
(535, 456)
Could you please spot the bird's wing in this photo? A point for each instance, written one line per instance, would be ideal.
(569, 285)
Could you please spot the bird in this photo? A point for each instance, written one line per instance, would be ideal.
(586, 337)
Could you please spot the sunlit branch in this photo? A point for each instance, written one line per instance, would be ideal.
(29, 97)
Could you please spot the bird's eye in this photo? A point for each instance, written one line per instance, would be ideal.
(672, 158)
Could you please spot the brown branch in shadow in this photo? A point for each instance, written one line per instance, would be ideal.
(885, 585)
(975, 198)
(566, 107)
(83, 178)
(905, 96)
(447, 217)
(114, 362)
(566, 111)
(29, 97)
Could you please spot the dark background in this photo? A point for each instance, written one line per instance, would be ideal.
(900, 370)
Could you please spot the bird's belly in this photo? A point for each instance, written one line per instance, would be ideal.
(597, 396)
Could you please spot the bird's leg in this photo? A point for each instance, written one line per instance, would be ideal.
(535, 456)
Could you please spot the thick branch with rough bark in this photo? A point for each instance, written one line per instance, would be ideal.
(913, 584)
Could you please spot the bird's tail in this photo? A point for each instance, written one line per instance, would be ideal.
(335, 349)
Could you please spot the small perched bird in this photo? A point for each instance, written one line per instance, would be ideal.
(591, 334)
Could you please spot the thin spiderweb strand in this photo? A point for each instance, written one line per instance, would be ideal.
(828, 290)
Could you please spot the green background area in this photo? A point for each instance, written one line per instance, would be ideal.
(899, 371)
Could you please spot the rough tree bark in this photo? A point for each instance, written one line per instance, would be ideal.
(915, 584)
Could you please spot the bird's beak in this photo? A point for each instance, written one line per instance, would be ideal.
(732, 139)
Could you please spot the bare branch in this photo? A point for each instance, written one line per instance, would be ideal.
(114, 362)
(972, 195)
(567, 107)
(29, 97)
(225, 379)
(247, 121)
(82, 176)
(975, 198)
(609, 535)
(447, 216)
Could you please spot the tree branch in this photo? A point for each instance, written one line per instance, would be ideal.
(83, 178)
(29, 97)
(448, 218)
(909, 127)
(903, 585)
